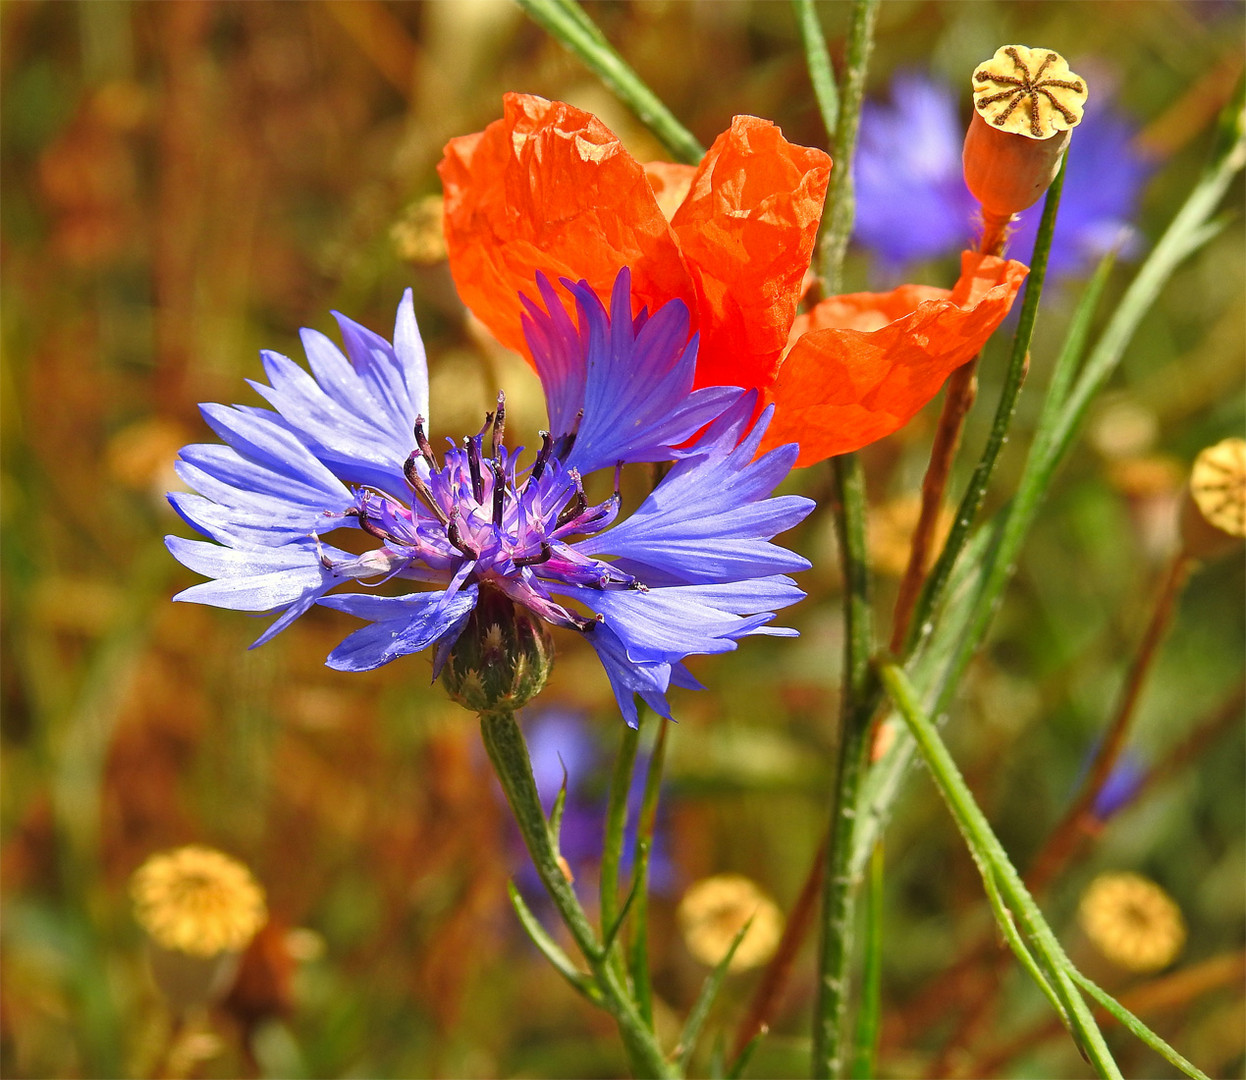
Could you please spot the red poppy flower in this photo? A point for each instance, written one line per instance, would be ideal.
(550, 188)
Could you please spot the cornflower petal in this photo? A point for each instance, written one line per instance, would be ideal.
(401, 625)
(638, 406)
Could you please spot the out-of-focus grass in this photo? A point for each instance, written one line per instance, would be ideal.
(186, 183)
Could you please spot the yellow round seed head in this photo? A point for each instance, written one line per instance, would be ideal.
(1028, 92)
(197, 901)
(717, 908)
(1132, 921)
(1218, 484)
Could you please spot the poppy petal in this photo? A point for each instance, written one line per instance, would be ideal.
(869, 366)
(549, 187)
(747, 229)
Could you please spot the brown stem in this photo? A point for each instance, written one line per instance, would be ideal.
(962, 389)
(779, 970)
(1079, 819)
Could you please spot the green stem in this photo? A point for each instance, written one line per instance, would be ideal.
(508, 752)
(1018, 363)
(818, 61)
(839, 886)
(612, 842)
(566, 21)
(840, 202)
(999, 874)
(644, 846)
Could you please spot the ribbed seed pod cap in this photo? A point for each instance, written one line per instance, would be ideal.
(1026, 101)
(1214, 518)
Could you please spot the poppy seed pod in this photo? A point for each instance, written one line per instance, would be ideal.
(1026, 102)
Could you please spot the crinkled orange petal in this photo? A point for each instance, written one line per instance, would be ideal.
(671, 183)
(747, 230)
(873, 361)
(549, 187)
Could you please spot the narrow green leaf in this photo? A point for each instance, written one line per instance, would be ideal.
(549, 948)
(746, 1055)
(567, 23)
(1133, 1024)
(555, 817)
(705, 1001)
(642, 982)
(818, 61)
(997, 871)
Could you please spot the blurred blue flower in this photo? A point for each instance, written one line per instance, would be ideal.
(912, 202)
(690, 572)
(1121, 785)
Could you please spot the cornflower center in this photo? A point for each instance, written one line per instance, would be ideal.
(484, 519)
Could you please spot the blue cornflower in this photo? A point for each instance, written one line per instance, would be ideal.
(691, 571)
(912, 202)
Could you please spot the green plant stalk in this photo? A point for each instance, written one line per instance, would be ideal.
(566, 22)
(840, 200)
(998, 873)
(1137, 1027)
(508, 752)
(818, 61)
(641, 981)
(612, 841)
(869, 1009)
(1018, 362)
(938, 663)
(839, 885)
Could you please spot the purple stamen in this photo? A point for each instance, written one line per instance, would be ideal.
(499, 424)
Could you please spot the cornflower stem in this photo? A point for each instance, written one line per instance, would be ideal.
(1019, 917)
(508, 752)
(859, 700)
(840, 201)
(1077, 820)
(569, 24)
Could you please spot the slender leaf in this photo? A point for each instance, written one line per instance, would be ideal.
(1133, 1024)
(705, 1001)
(566, 22)
(549, 948)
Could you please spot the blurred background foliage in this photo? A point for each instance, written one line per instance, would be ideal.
(185, 183)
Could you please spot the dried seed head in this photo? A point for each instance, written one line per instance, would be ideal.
(717, 908)
(200, 910)
(1132, 921)
(1028, 92)
(1026, 101)
(1214, 521)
